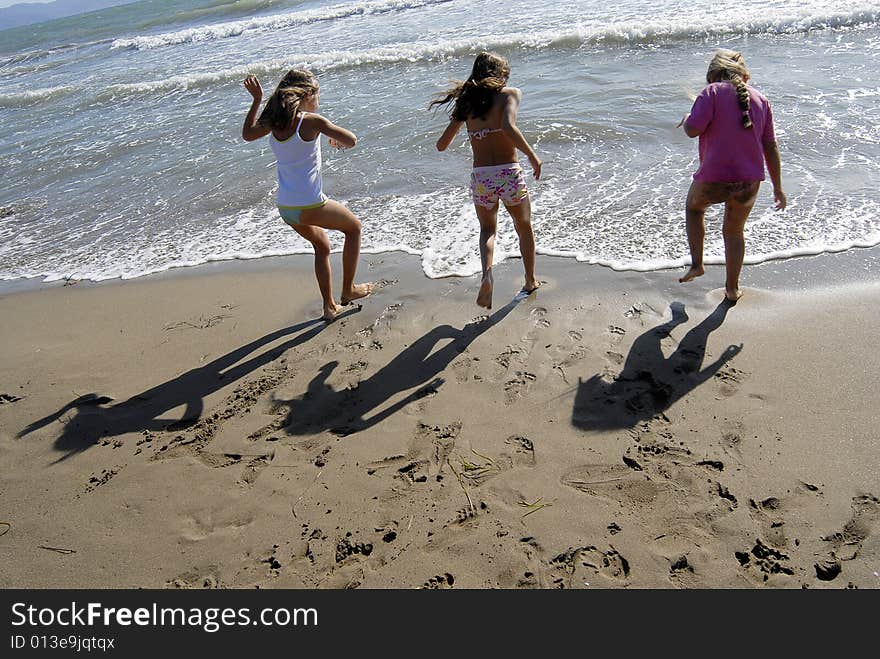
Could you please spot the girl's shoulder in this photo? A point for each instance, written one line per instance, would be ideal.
(311, 118)
(758, 93)
(514, 92)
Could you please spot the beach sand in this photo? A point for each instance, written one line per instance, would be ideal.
(204, 429)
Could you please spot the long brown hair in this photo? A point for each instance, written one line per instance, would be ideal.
(284, 102)
(731, 66)
(474, 96)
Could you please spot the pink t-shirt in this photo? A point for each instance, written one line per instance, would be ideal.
(729, 152)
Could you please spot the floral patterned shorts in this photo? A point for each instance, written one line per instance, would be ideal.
(505, 182)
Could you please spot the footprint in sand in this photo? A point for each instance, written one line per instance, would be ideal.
(583, 566)
(97, 480)
(731, 439)
(346, 548)
(464, 368)
(440, 582)
(767, 514)
(764, 560)
(846, 543)
(539, 319)
(614, 357)
(428, 451)
(196, 578)
(516, 387)
(681, 572)
(253, 469)
(729, 380)
(509, 355)
(524, 450)
(619, 483)
(357, 367)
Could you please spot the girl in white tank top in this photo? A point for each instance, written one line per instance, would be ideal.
(294, 128)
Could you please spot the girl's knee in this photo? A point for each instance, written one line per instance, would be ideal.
(354, 228)
(522, 225)
(322, 247)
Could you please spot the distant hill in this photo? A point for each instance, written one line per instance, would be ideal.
(36, 12)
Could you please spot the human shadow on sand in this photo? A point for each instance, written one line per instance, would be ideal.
(94, 422)
(650, 383)
(321, 408)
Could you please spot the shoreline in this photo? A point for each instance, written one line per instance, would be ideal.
(613, 430)
(813, 270)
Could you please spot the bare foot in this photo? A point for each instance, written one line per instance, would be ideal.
(733, 295)
(484, 297)
(331, 311)
(532, 286)
(357, 292)
(693, 273)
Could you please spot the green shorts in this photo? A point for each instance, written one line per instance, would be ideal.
(291, 214)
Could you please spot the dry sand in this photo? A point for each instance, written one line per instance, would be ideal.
(201, 430)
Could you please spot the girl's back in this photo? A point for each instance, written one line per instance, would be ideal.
(490, 144)
(728, 151)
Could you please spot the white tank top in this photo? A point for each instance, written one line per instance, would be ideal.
(299, 169)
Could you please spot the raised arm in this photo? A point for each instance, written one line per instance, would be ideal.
(252, 130)
(774, 167)
(449, 134)
(512, 97)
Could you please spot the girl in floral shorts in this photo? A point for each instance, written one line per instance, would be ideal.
(488, 107)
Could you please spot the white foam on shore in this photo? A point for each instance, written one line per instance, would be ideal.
(465, 262)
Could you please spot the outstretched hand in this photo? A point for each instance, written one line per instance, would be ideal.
(252, 84)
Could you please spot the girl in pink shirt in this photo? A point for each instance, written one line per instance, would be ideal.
(735, 125)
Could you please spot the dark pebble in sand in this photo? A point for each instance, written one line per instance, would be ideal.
(391, 536)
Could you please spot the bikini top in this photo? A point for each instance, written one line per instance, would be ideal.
(482, 133)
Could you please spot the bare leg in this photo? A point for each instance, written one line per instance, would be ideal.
(736, 212)
(334, 215)
(488, 227)
(695, 212)
(522, 222)
(321, 244)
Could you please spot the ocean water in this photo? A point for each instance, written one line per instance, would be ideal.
(121, 151)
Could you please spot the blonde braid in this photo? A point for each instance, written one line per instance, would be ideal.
(731, 66)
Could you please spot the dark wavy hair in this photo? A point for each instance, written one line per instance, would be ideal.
(284, 102)
(473, 97)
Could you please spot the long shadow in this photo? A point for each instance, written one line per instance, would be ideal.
(649, 382)
(145, 411)
(346, 412)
